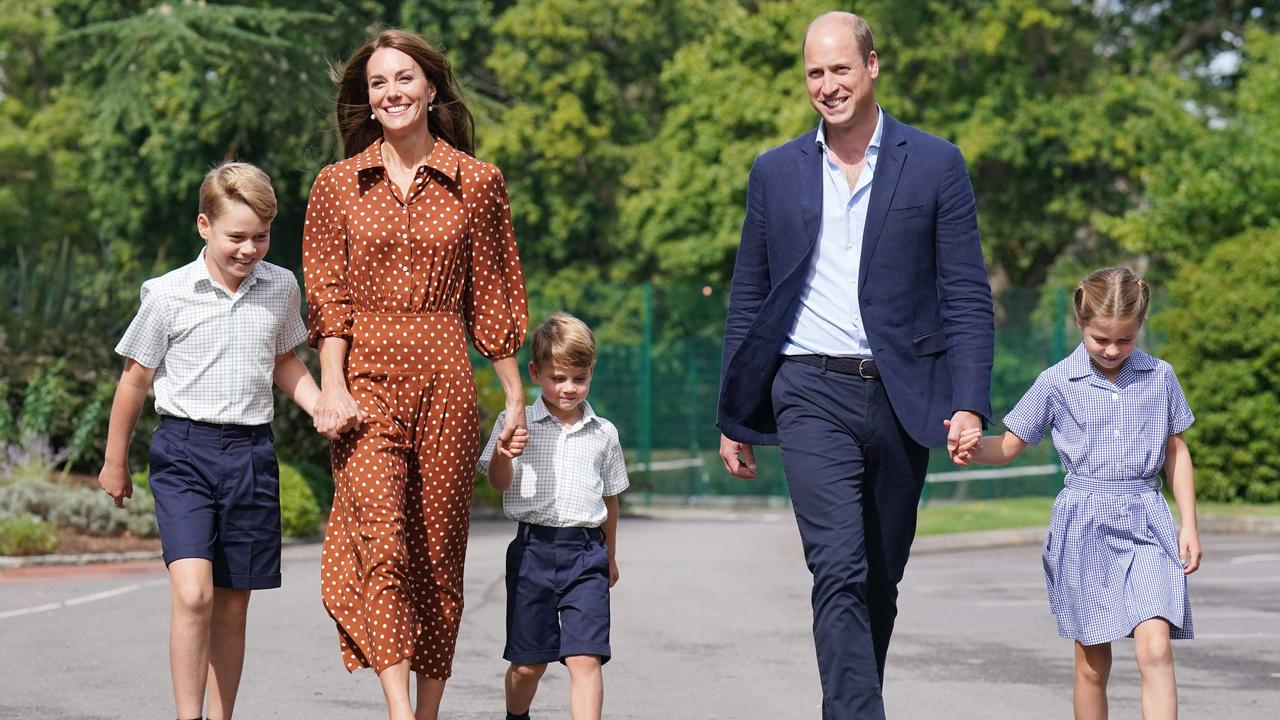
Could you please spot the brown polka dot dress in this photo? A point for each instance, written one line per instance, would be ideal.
(404, 280)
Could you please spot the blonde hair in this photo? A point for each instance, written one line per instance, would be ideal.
(241, 182)
(564, 340)
(1113, 293)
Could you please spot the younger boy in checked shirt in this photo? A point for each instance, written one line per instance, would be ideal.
(564, 493)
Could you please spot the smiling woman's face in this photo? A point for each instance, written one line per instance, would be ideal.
(399, 91)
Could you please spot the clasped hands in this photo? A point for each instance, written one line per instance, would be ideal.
(964, 437)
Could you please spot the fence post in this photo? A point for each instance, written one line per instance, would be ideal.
(1059, 326)
(644, 407)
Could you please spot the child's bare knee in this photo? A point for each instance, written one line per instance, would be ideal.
(582, 663)
(192, 599)
(528, 672)
(1154, 653)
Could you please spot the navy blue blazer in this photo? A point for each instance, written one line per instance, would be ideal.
(922, 284)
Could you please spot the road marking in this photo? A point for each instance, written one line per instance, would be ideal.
(1245, 559)
(72, 602)
(1017, 603)
(1238, 636)
(1197, 580)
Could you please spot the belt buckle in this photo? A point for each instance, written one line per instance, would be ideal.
(861, 372)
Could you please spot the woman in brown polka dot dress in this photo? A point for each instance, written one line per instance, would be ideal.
(408, 248)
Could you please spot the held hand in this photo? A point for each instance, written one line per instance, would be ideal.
(1189, 540)
(513, 421)
(336, 412)
(739, 458)
(514, 447)
(115, 481)
(613, 572)
(960, 423)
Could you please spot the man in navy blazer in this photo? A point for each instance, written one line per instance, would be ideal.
(860, 328)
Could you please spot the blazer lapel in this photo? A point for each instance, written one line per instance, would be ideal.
(888, 168)
(810, 190)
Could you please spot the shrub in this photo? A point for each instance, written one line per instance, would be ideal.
(320, 480)
(27, 534)
(1223, 339)
(299, 511)
(79, 508)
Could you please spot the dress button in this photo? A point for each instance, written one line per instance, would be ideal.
(1117, 433)
(1115, 396)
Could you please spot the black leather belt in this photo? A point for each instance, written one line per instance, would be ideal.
(862, 367)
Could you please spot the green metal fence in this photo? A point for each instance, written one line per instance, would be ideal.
(658, 373)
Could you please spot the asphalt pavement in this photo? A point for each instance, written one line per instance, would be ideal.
(711, 622)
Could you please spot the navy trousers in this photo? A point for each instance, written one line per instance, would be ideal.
(855, 477)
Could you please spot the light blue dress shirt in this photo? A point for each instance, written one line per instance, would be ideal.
(830, 321)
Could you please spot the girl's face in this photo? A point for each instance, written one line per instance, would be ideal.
(399, 91)
(1110, 341)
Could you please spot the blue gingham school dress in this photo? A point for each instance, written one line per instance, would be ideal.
(1111, 556)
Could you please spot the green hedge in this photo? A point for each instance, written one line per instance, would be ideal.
(299, 510)
(1223, 339)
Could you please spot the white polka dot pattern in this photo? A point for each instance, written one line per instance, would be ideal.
(405, 280)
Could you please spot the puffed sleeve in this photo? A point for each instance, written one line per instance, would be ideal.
(495, 307)
(1033, 414)
(324, 262)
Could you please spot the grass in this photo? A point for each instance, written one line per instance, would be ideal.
(942, 517)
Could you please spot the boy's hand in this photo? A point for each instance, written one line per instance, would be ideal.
(613, 572)
(115, 480)
(336, 412)
(514, 446)
(1189, 540)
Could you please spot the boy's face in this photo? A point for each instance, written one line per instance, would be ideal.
(563, 388)
(234, 242)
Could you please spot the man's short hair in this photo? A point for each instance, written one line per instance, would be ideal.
(859, 27)
(564, 340)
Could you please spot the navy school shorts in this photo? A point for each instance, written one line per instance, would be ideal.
(217, 492)
(557, 595)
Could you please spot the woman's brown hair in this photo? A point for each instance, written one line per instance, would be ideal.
(450, 119)
(1111, 293)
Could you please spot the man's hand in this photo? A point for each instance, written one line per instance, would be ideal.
(739, 458)
(115, 480)
(961, 423)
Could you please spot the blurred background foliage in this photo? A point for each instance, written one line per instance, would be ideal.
(1097, 133)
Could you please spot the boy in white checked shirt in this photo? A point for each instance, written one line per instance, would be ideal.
(564, 493)
(213, 335)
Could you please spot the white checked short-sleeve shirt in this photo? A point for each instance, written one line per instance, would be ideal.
(214, 351)
(565, 473)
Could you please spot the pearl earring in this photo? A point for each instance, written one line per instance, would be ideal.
(373, 116)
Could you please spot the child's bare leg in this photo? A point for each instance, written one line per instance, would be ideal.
(1093, 669)
(430, 691)
(191, 610)
(226, 650)
(522, 684)
(586, 687)
(395, 687)
(1155, 662)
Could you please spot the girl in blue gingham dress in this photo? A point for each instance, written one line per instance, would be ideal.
(1114, 565)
